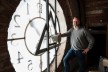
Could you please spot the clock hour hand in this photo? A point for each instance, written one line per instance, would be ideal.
(35, 27)
(51, 46)
(40, 41)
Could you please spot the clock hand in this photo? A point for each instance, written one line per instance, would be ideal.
(37, 31)
(34, 27)
(51, 46)
(15, 39)
(40, 41)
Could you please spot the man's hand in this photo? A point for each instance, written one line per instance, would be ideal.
(85, 51)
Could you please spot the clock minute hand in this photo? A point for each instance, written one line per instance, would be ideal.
(38, 51)
(51, 46)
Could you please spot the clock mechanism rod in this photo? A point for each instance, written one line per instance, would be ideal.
(56, 33)
(15, 39)
(51, 46)
(47, 22)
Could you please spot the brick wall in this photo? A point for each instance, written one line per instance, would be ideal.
(107, 42)
(96, 11)
(96, 14)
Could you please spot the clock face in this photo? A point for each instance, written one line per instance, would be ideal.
(27, 36)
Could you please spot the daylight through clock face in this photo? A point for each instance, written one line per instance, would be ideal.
(27, 35)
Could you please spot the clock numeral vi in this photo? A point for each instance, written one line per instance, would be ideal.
(30, 67)
(20, 57)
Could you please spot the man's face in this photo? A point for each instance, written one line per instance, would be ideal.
(76, 21)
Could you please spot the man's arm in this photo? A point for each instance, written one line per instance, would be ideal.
(68, 33)
(90, 39)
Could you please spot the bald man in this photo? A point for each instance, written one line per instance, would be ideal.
(81, 42)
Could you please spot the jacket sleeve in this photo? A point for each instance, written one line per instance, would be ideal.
(68, 33)
(90, 38)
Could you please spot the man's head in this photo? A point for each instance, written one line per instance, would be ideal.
(76, 21)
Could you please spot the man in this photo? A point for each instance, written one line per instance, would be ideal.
(81, 42)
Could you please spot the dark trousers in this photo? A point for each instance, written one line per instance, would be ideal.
(70, 55)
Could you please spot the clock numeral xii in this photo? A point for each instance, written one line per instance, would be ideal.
(39, 5)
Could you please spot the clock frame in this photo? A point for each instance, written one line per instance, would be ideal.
(19, 44)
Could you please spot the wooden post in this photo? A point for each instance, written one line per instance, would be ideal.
(106, 41)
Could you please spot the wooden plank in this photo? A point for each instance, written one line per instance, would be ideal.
(107, 41)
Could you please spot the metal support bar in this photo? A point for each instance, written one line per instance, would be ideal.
(55, 33)
(47, 22)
